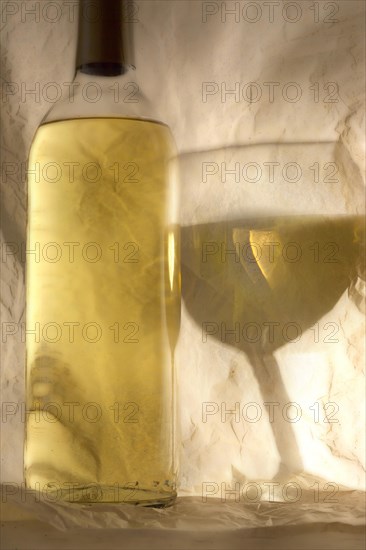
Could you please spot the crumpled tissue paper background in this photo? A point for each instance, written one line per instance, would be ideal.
(265, 82)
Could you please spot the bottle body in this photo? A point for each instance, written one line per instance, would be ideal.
(103, 300)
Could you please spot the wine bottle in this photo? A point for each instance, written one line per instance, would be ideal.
(103, 283)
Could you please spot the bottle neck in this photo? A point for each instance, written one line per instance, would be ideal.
(105, 80)
(100, 48)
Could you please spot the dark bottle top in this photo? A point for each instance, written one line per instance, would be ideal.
(100, 48)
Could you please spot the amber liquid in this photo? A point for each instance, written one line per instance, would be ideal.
(269, 279)
(103, 300)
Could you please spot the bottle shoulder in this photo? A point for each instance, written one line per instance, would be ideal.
(103, 97)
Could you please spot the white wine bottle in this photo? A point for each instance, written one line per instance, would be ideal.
(103, 284)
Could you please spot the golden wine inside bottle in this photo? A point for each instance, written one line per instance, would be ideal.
(103, 311)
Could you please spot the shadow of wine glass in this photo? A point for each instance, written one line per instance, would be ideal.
(258, 284)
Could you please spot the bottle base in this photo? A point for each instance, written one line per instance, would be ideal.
(116, 494)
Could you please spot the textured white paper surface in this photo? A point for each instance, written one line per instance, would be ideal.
(197, 63)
